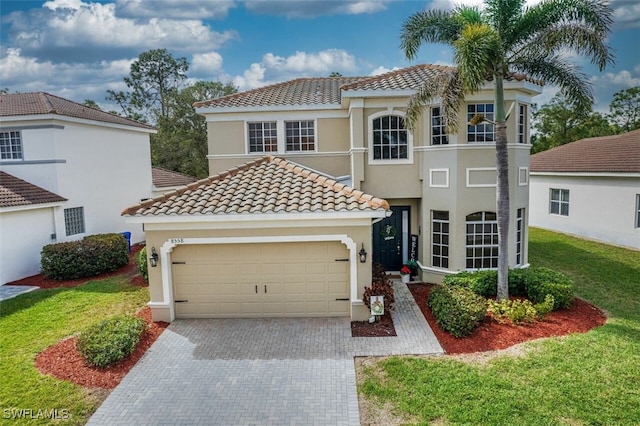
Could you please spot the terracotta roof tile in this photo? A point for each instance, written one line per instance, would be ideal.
(618, 154)
(163, 178)
(40, 103)
(17, 192)
(266, 185)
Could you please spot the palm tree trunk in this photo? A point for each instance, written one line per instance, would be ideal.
(502, 190)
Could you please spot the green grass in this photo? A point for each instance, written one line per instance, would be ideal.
(33, 321)
(581, 379)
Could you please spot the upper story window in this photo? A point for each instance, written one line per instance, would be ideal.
(390, 138)
(483, 132)
(263, 137)
(438, 128)
(10, 145)
(559, 201)
(300, 135)
(522, 122)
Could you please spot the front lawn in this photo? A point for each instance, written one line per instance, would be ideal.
(33, 321)
(591, 378)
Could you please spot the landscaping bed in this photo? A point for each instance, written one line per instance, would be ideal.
(382, 328)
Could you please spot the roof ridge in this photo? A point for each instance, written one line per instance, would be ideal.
(397, 72)
(45, 97)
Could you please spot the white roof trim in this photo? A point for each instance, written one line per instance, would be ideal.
(267, 108)
(587, 174)
(31, 207)
(66, 118)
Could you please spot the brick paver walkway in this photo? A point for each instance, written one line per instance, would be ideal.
(269, 371)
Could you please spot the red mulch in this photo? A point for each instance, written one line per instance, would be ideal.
(579, 318)
(130, 270)
(63, 361)
(381, 328)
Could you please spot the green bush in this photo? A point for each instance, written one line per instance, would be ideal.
(545, 307)
(484, 283)
(517, 311)
(543, 281)
(93, 255)
(110, 340)
(457, 310)
(143, 265)
(380, 286)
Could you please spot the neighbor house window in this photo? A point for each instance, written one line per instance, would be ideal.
(522, 121)
(559, 202)
(263, 137)
(10, 146)
(637, 210)
(390, 141)
(519, 235)
(438, 128)
(74, 220)
(440, 239)
(300, 135)
(484, 131)
(482, 240)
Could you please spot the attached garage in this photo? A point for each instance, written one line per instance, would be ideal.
(267, 239)
(300, 279)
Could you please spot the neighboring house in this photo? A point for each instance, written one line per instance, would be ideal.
(67, 172)
(167, 180)
(282, 235)
(590, 188)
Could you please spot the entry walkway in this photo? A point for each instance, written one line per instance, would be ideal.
(268, 371)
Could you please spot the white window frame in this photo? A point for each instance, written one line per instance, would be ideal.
(487, 128)
(523, 176)
(432, 173)
(11, 147)
(440, 230)
(311, 134)
(522, 124)
(441, 126)
(560, 201)
(382, 161)
(74, 222)
(263, 138)
(520, 231)
(482, 242)
(637, 210)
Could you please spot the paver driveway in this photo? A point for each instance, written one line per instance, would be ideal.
(258, 371)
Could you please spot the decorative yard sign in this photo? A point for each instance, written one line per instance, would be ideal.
(377, 305)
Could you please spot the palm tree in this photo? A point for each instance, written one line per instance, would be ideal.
(494, 44)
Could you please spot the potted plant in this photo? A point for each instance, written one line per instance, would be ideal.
(405, 274)
(413, 265)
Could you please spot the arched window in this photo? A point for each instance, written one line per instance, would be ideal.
(390, 138)
(482, 240)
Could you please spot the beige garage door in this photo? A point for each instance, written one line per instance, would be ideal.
(263, 279)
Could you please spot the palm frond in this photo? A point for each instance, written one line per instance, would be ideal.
(502, 15)
(475, 53)
(428, 26)
(448, 88)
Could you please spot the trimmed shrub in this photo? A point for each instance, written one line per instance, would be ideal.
(143, 265)
(93, 255)
(111, 340)
(517, 311)
(544, 281)
(457, 310)
(484, 283)
(545, 307)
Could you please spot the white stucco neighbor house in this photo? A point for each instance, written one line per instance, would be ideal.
(589, 188)
(167, 180)
(67, 171)
(308, 174)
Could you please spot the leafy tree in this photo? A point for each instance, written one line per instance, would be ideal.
(335, 74)
(492, 44)
(92, 104)
(625, 109)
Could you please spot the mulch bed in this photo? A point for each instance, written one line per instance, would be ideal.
(63, 361)
(381, 328)
(491, 335)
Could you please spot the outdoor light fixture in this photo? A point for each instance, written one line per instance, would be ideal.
(363, 254)
(154, 257)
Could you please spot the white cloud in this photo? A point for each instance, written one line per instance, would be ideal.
(206, 62)
(251, 78)
(626, 13)
(382, 70)
(311, 9)
(175, 9)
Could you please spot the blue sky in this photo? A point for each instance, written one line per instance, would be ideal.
(78, 49)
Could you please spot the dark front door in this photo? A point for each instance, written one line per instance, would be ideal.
(388, 241)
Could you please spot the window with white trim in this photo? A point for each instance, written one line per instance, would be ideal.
(439, 134)
(559, 201)
(263, 136)
(483, 132)
(440, 239)
(519, 236)
(482, 240)
(522, 122)
(300, 135)
(637, 210)
(10, 145)
(74, 220)
(390, 138)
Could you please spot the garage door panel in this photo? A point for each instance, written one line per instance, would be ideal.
(302, 279)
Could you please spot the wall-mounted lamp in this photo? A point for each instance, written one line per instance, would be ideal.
(154, 257)
(363, 254)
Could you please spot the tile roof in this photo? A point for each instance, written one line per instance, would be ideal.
(16, 192)
(329, 90)
(618, 154)
(40, 103)
(163, 178)
(267, 185)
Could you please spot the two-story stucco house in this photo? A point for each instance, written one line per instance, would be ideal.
(329, 172)
(66, 171)
(590, 188)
